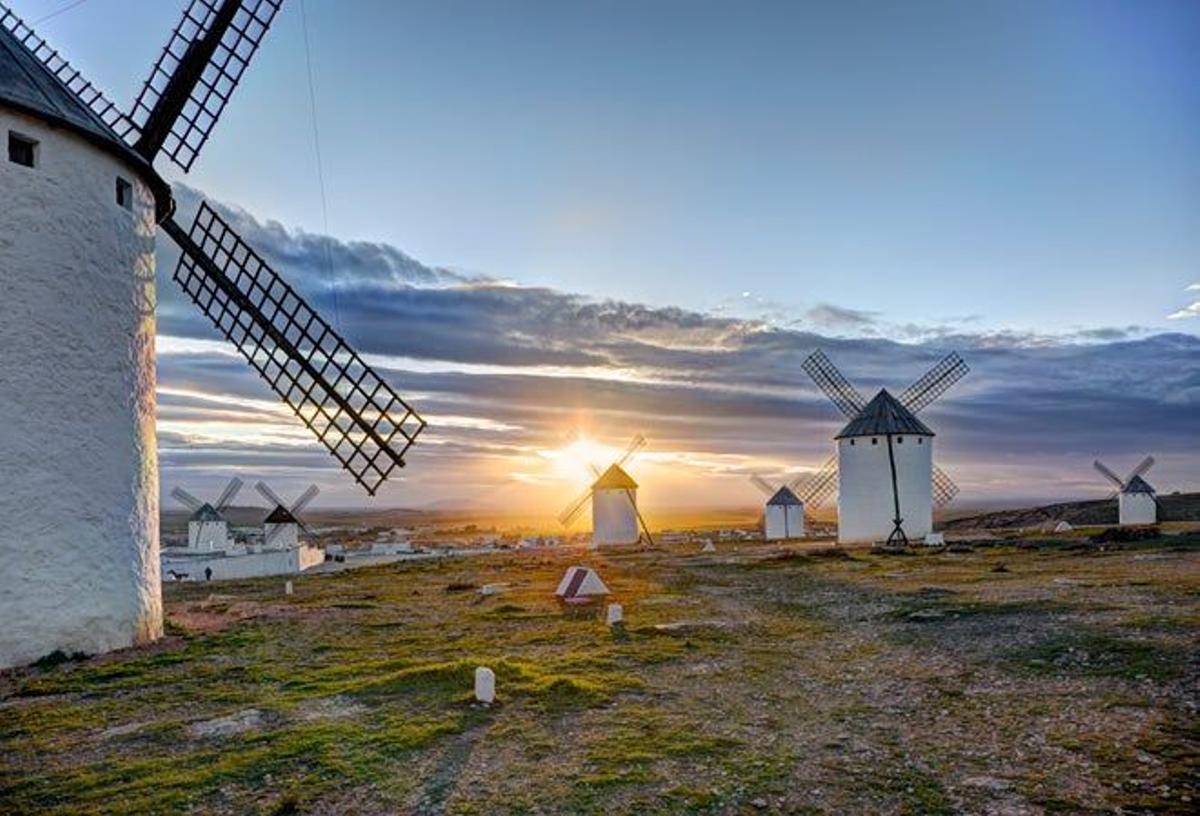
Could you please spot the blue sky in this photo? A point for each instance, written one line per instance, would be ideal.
(1018, 180)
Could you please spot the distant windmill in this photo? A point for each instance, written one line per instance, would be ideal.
(207, 528)
(615, 515)
(886, 488)
(1136, 502)
(281, 527)
(783, 516)
(81, 203)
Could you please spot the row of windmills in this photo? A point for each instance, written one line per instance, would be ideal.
(882, 471)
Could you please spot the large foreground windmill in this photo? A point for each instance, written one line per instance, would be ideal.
(81, 204)
(886, 480)
(1136, 502)
(207, 527)
(613, 495)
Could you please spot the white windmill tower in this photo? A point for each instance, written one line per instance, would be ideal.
(1136, 502)
(886, 480)
(783, 514)
(615, 515)
(82, 203)
(207, 528)
(281, 527)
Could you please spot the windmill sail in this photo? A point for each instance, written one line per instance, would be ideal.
(937, 381)
(353, 412)
(87, 93)
(839, 390)
(944, 488)
(228, 494)
(815, 488)
(196, 74)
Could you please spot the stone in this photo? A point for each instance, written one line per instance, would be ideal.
(287, 588)
(485, 685)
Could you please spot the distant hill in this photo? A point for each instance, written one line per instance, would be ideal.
(1176, 507)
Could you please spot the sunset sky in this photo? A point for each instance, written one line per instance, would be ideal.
(620, 217)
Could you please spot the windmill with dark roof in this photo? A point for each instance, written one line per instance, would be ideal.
(207, 527)
(613, 495)
(281, 527)
(1136, 500)
(83, 204)
(783, 514)
(887, 483)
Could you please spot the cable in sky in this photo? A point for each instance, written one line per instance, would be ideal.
(57, 12)
(312, 106)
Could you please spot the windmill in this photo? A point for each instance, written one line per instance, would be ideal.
(281, 527)
(1136, 502)
(82, 203)
(207, 528)
(886, 492)
(613, 495)
(783, 516)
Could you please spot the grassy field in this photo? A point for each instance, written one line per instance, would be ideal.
(1055, 678)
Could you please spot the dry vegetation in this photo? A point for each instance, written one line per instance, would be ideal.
(1056, 678)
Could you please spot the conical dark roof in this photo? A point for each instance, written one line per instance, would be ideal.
(280, 515)
(784, 496)
(206, 513)
(615, 478)
(1137, 485)
(27, 85)
(884, 415)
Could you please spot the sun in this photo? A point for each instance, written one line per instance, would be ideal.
(574, 460)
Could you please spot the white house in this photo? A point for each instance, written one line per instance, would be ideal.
(784, 516)
(1136, 503)
(885, 459)
(614, 508)
(78, 213)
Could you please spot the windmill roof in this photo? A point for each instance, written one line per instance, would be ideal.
(884, 415)
(1137, 485)
(206, 512)
(280, 515)
(615, 478)
(27, 85)
(784, 495)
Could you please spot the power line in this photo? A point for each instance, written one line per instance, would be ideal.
(62, 10)
(312, 107)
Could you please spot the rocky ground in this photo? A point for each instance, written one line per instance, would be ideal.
(1026, 677)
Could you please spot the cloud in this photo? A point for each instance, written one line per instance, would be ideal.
(1195, 287)
(508, 369)
(1186, 312)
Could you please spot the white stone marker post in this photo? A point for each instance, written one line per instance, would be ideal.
(287, 588)
(616, 614)
(485, 685)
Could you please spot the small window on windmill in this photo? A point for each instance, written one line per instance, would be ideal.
(22, 150)
(124, 193)
(899, 440)
(920, 441)
(874, 440)
(851, 441)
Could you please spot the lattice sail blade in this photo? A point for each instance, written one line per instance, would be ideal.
(227, 495)
(937, 381)
(88, 94)
(762, 484)
(1108, 474)
(638, 442)
(839, 390)
(270, 495)
(815, 488)
(304, 500)
(944, 488)
(571, 511)
(186, 499)
(196, 75)
(1141, 468)
(355, 414)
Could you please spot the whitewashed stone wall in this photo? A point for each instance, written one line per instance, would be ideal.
(79, 564)
(613, 518)
(865, 505)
